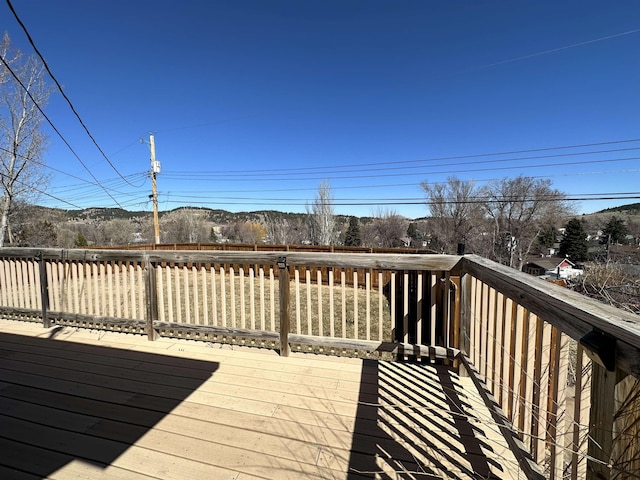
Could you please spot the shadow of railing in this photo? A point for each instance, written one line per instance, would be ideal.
(413, 421)
(65, 401)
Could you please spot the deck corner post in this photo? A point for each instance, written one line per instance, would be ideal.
(44, 290)
(151, 296)
(601, 415)
(285, 305)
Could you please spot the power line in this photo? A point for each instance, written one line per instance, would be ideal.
(455, 157)
(505, 198)
(84, 180)
(54, 127)
(553, 50)
(401, 202)
(64, 95)
(206, 176)
(42, 192)
(297, 173)
(387, 185)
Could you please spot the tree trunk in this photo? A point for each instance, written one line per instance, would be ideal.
(4, 221)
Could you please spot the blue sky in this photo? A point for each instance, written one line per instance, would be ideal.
(254, 103)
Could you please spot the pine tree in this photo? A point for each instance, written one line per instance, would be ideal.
(574, 243)
(213, 236)
(352, 236)
(547, 237)
(81, 240)
(615, 232)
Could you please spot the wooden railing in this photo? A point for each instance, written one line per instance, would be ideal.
(523, 341)
(528, 341)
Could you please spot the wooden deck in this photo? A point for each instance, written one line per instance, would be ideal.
(89, 404)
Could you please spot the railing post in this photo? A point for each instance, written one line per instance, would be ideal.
(285, 309)
(44, 290)
(603, 385)
(465, 317)
(151, 295)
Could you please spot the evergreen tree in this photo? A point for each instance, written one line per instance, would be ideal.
(352, 236)
(615, 232)
(574, 243)
(213, 237)
(81, 240)
(547, 237)
(412, 231)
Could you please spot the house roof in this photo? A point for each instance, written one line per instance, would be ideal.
(550, 263)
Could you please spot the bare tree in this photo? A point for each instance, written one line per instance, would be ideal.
(386, 230)
(245, 232)
(284, 231)
(185, 225)
(519, 209)
(322, 221)
(21, 140)
(456, 213)
(33, 226)
(119, 231)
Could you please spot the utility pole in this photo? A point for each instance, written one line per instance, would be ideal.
(155, 170)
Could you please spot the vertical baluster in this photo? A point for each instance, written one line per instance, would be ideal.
(170, 309)
(296, 285)
(195, 288)
(186, 297)
(14, 283)
(446, 307)
(491, 341)
(272, 288)
(160, 281)
(520, 354)
(419, 301)
(262, 303)
(4, 284)
(367, 301)
(508, 327)
(214, 295)
(126, 288)
(558, 429)
(319, 286)
(308, 284)
(252, 297)
(528, 365)
(116, 274)
(140, 289)
(343, 293)
(205, 294)
(332, 329)
(110, 289)
(223, 296)
(132, 290)
(103, 290)
(582, 394)
(405, 308)
(484, 331)
(381, 333)
(433, 307)
(392, 288)
(232, 293)
(356, 326)
(75, 281)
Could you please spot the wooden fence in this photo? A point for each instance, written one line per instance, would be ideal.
(528, 345)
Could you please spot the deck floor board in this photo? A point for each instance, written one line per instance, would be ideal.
(80, 403)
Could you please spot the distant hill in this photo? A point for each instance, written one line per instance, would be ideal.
(217, 216)
(631, 209)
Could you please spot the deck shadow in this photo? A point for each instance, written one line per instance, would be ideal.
(420, 427)
(63, 401)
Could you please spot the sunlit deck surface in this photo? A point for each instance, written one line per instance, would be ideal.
(94, 404)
